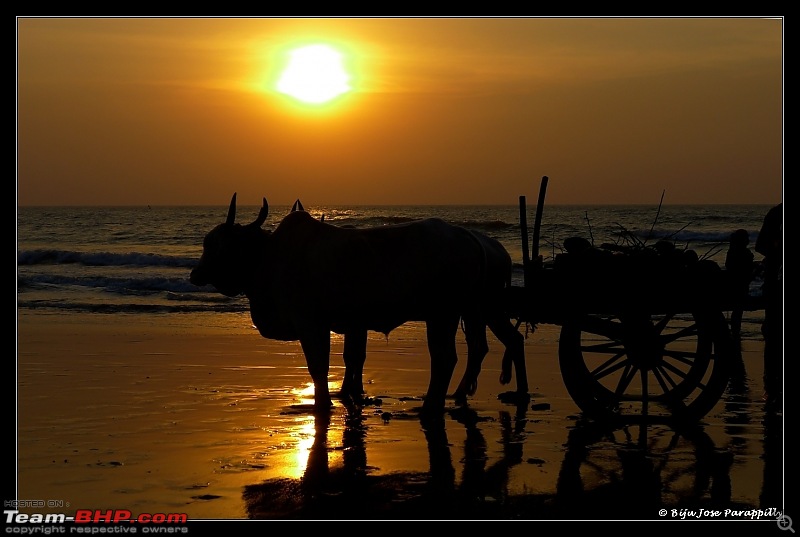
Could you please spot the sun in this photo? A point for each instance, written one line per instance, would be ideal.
(314, 74)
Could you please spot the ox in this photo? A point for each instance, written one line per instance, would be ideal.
(308, 279)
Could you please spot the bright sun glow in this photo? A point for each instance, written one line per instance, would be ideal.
(315, 74)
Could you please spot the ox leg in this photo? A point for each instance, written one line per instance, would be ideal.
(514, 343)
(477, 348)
(317, 350)
(442, 348)
(354, 354)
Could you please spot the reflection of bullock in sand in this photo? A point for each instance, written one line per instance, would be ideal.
(350, 489)
(308, 279)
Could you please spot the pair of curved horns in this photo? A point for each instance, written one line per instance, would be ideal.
(260, 219)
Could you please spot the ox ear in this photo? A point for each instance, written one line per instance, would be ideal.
(231, 211)
(262, 214)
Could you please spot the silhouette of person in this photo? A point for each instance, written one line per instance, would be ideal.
(769, 243)
(739, 264)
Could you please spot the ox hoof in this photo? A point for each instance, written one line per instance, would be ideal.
(515, 398)
(460, 398)
(431, 410)
(465, 416)
(352, 398)
(371, 401)
(431, 419)
(323, 406)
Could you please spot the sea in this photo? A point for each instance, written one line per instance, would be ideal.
(136, 260)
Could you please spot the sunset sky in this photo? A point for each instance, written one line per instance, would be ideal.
(179, 111)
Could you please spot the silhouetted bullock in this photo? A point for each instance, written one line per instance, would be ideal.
(309, 278)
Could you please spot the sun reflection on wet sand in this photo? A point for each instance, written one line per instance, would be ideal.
(304, 393)
(305, 432)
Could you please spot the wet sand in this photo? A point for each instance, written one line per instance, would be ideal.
(176, 417)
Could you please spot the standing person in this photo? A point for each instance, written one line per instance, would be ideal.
(770, 244)
(739, 264)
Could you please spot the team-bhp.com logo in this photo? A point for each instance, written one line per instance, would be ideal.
(97, 516)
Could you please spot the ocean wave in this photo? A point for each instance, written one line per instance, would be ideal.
(368, 221)
(107, 307)
(101, 259)
(384, 220)
(492, 225)
(155, 284)
(174, 289)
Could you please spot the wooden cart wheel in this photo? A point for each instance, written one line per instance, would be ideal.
(673, 366)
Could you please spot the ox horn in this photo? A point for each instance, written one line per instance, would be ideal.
(232, 211)
(262, 214)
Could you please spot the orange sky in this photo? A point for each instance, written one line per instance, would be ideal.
(464, 110)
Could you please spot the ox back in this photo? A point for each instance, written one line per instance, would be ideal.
(374, 278)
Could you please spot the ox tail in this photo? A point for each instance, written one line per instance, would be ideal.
(492, 267)
(483, 271)
(483, 268)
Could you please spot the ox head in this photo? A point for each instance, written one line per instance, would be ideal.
(230, 253)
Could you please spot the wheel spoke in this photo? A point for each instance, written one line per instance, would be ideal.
(687, 357)
(608, 367)
(609, 347)
(625, 379)
(680, 373)
(662, 324)
(661, 381)
(665, 375)
(683, 332)
(645, 392)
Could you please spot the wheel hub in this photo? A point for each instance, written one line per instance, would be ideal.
(643, 346)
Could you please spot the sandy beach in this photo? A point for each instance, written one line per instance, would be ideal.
(174, 417)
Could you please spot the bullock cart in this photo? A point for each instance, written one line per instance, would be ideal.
(643, 330)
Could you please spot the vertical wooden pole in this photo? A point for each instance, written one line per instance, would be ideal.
(523, 227)
(537, 224)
